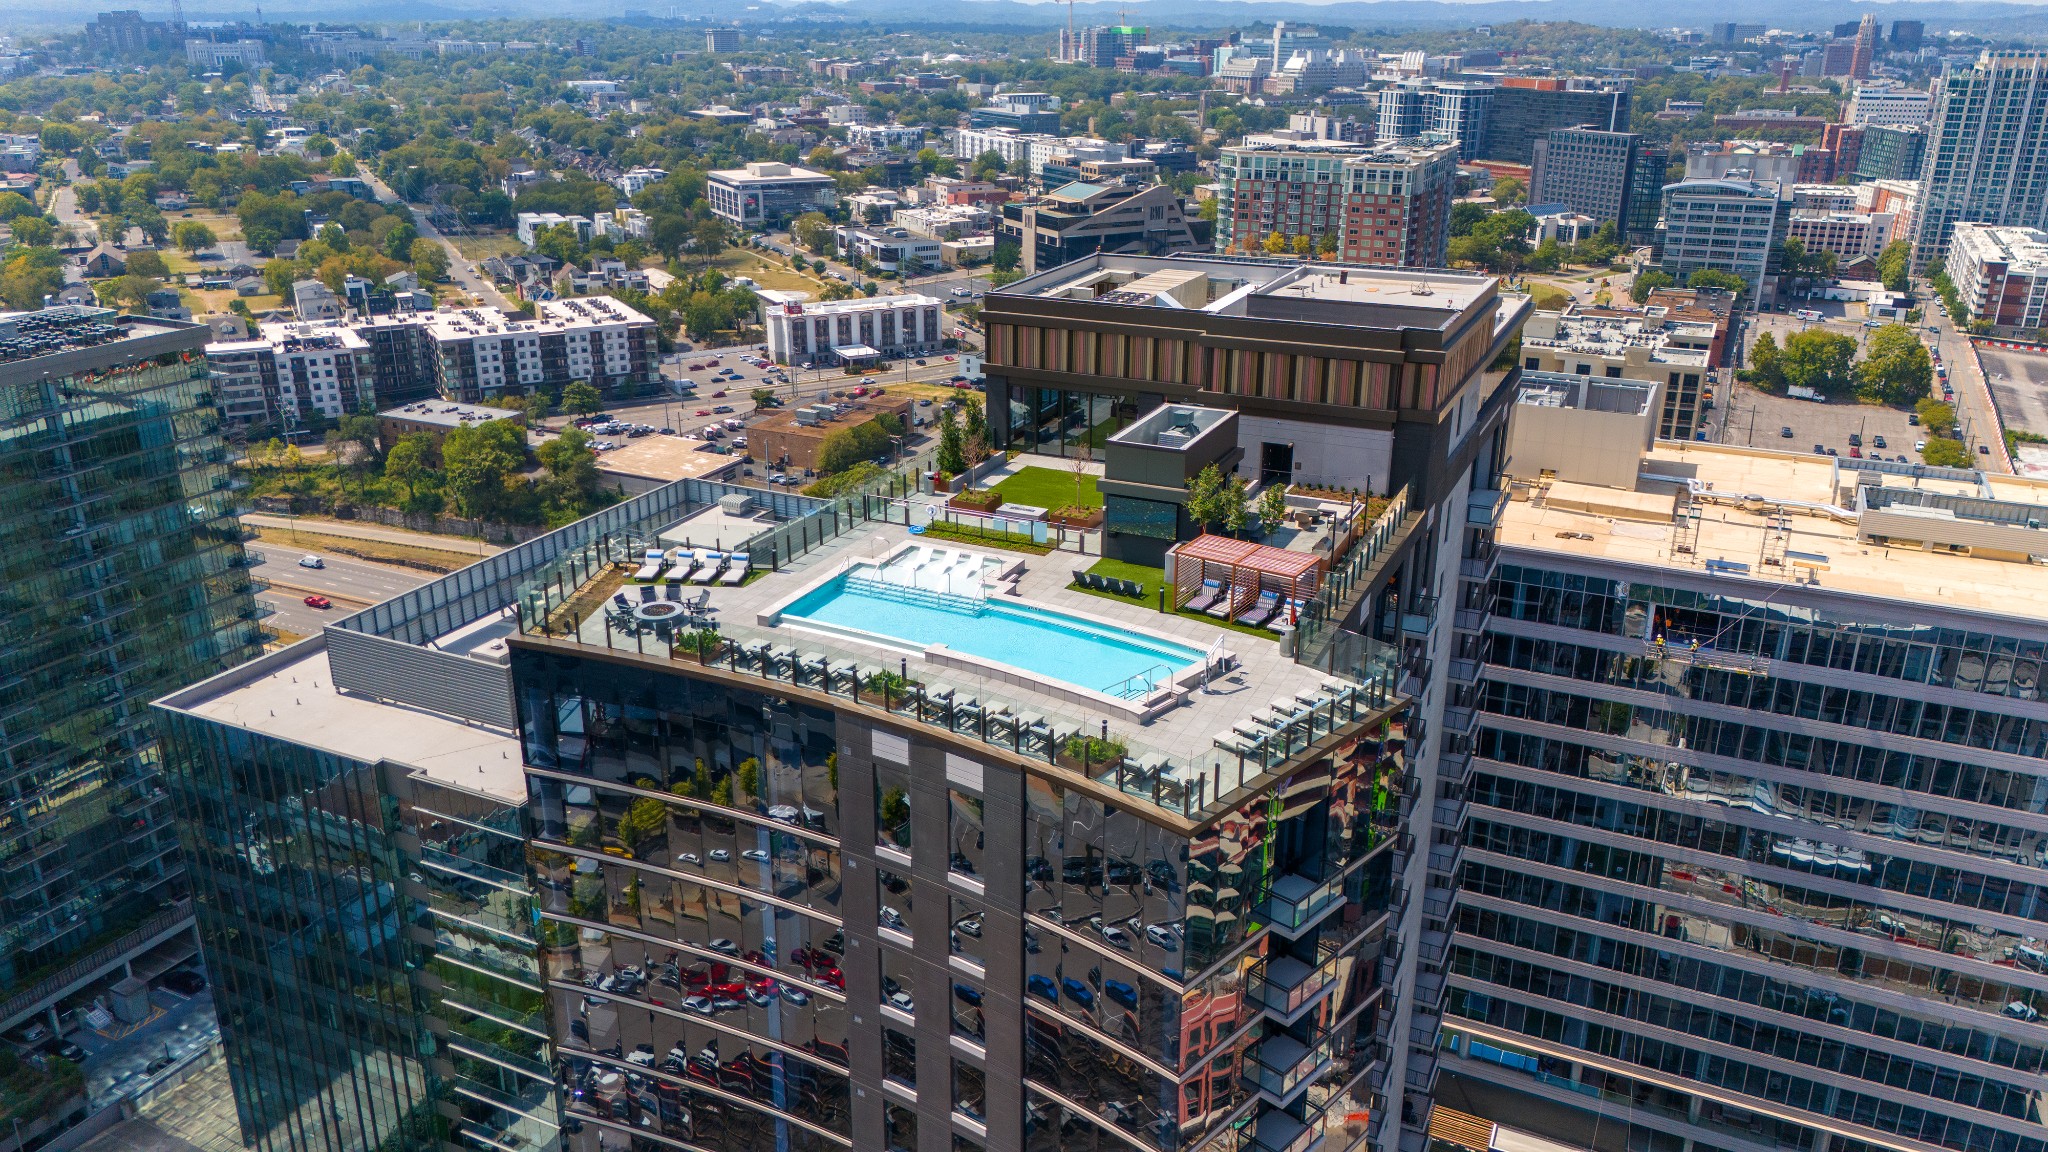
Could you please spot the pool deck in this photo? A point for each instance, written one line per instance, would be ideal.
(1184, 734)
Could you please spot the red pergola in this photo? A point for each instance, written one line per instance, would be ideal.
(1244, 568)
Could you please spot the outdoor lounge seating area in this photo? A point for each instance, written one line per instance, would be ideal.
(1248, 584)
(692, 566)
(1113, 585)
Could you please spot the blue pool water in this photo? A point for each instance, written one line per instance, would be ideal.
(1047, 643)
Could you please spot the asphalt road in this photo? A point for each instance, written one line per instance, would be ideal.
(64, 206)
(359, 582)
(2021, 381)
(459, 267)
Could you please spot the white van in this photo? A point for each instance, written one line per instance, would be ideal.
(312, 562)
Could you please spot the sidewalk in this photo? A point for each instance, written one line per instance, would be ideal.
(461, 545)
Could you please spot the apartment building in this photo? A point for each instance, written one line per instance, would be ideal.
(478, 353)
(125, 578)
(1892, 152)
(1386, 203)
(833, 332)
(1454, 110)
(1987, 157)
(1734, 226)
(740, 899)
(887, 249)
(294, 374)
(885, 137)
(2001, 274)
(1656, 345)
(1753, 741)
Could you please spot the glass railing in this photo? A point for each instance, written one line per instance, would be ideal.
(1282, 985)
(1280, 1064)
(1274, 1130)
(1333, 600)
(1294, 902)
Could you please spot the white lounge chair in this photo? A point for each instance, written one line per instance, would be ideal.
(707, 572)
(735, 572)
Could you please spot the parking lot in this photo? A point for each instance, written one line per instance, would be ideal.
(1757, 419)
(2019, 383)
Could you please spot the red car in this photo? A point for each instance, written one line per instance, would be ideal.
(319, 602)
(718, 395)
(952, 359)
(703, 411)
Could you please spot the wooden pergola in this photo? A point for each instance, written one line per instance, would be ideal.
(1245, 568)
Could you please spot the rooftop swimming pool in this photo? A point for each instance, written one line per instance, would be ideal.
(1024, 636)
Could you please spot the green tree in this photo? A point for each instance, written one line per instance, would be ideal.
(1895, 367)
(29, 275)
(1943, 452)
(987, 166)
(1272, 506)
(845, 447)
(1205, 497)
(644, 819)
(812, 230)
(1236, 505)
(558, 242)
(34, 231)
(1274, 244)
(1509, 190)
(1938, 418)
(398, 242)
(14, 204)
(1895, 266)
(580, 399)
(192, 236)
(1005, 256)
(143, 262)
(477, 460)
(410, 461)
(1820, 360)
(429, 259)
(1766, 364)
(1648, 282)
(1715, 278)
(952, 456)
(571, 465)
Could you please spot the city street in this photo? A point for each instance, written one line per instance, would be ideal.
(350, 584)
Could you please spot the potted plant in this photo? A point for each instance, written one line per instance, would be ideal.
(1092, 753)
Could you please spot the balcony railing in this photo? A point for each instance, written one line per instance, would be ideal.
(1283, 985)
(1280, 1066)
(1276, 1131)
(1294, 902)
(1483, 507)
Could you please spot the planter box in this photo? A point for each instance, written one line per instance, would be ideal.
(1094, 766)
(1090, 519)
(986, 500)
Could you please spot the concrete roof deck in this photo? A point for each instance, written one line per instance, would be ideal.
(1184, 735)
(1731, 533)
(295, 699)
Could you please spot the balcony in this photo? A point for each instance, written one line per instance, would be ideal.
(1294, 903)
(1280, 1066)
(1419, 617)
(1276, 1131)
(1284, 986)
(1483, 507)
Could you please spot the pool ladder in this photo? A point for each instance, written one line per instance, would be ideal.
(903, 593)
(1141, 684)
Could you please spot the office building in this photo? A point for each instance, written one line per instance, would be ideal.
(1849, 235)
(293, 375)
(1843, 144)
(1071, 221)
(833, 332)
(1671, 348)
(1384, 203)
(1596, 172)
(1721, 749)
(1754, 160)
(1891, 153)
(1907, 35)
(1729, 33)
(885, 137)
(765, 192)
(1101, 46)
(1987, 157)
(1865, 47)
(2001, 274)
(1889, 105)
(1023, 111)
(795, 440)
(125, 578)
(886, 249)
(215, 54)
(1526, 109)
(126, 33)
(1732, 226)
(721, 39)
